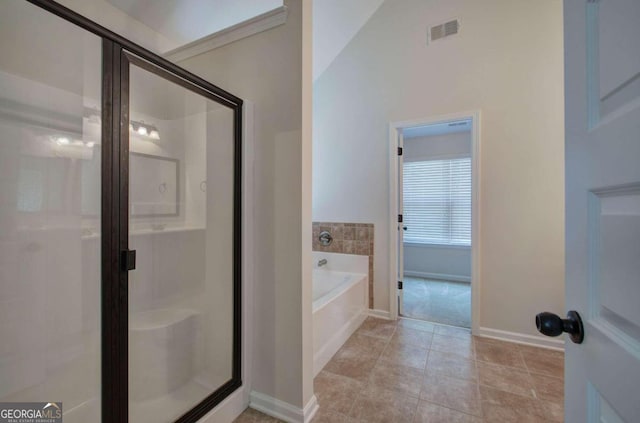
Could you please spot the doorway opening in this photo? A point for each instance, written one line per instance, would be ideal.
(435, 178)
(436, 210)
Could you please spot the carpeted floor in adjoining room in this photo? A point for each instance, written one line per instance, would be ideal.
(436, 301)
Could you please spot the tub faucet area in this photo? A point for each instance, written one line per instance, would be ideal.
(322, 262)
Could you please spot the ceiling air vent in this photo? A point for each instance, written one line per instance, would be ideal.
(443, 30)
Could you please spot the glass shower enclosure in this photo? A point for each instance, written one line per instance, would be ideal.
(119, 225)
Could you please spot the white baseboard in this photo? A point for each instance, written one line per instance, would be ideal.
(438, 276)
(311, 409)
(322, 357)
(283, 410)
(229, 409)
(380, 314)
(521, 338)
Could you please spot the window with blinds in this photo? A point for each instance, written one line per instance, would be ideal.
(437, 201)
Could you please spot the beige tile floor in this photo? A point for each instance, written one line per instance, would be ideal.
(415, 371)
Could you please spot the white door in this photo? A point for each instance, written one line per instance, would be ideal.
(400, 289)
(602, 94)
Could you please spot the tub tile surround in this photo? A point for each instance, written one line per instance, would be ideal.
(465, 379)
(348, 238)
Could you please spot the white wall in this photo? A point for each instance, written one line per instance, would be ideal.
(506, 61)
(437, 261)
(266, 69)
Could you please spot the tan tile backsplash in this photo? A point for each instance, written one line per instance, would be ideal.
(348, 238)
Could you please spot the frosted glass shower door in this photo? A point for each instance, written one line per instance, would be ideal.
(181, 224)
(50, 212)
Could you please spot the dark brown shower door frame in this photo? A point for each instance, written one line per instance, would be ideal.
(118, 54)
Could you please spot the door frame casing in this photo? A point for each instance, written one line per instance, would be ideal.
(394, 130)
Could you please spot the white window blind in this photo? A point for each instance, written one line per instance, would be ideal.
(437, 201)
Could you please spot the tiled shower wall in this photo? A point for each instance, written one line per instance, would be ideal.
(348, 238)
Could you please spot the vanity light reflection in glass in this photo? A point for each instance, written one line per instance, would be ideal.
(92, 114)
(144, 129)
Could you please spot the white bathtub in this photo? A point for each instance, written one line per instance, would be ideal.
(340, 299)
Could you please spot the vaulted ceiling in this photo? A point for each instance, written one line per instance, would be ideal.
(184, 21)
(335, 23)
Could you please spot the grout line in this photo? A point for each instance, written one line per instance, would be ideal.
(545, 375)
(525, 362)
(353, 404)
(520, 369)
(495, 388)
(480, 415)
(452, 409)
(415, 410)
(424, 375)
(479, 395)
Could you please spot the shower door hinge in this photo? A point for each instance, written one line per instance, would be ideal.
(399, 218)
(399, 151)
(399, 284)
(128, 260)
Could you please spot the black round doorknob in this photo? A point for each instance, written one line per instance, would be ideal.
(552, 325)
(404, 228)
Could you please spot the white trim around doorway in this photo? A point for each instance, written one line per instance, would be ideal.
(394, 129)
